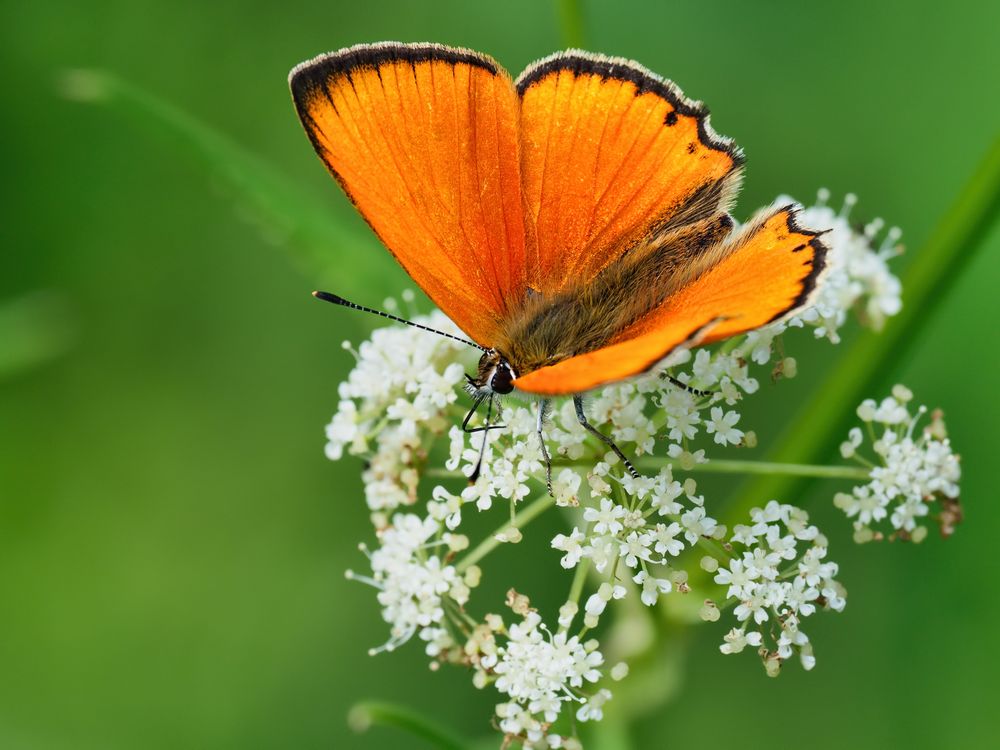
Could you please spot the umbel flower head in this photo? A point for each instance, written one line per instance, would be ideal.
(912, 472)
(648, 538)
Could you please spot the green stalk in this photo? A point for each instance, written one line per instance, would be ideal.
(715, 466)
(571, 22)
(363, 715)
(861, 372)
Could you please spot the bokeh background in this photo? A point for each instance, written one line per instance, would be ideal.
(172, 539)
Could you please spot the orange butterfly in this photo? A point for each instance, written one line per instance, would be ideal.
(574, 222)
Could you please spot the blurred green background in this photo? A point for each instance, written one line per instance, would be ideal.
(172, 539)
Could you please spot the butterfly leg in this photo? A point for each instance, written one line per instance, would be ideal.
(474, 477)
(578, 403)
(473, 410)
(543, 407)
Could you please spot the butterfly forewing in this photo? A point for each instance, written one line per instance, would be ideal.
(424, 140)
(611, 154)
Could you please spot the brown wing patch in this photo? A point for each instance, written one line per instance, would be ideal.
(769, 271)
(764, 272)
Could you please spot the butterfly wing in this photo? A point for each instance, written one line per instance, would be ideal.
(424, 140)
(611, 154)
(765, 272)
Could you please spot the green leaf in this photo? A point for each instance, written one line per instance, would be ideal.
(363, 715)
(34, 329)
(861, 371)
(287, 215)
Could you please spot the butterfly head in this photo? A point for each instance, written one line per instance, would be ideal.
(495, 375)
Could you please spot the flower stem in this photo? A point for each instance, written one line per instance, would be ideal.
(363, 715)
(717, 466)
(571, 23)
(861, 371)
(522, 519)
(576, 588)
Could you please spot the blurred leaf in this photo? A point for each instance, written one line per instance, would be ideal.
(287, 216)
(34, 329)
(610, 734)
(861, 371)
(363, 715)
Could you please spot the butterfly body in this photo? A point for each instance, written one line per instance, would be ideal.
(574, 222)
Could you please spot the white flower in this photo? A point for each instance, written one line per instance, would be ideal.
(592, 709)
(411, 583)
(737, 639)
(602, 551)
(770, 578)
(635, 547)
(666, 541)
(607, 519)
(697, 524)
(857, 273)
(908, 474)
(565, 486)
(572, 545)
(651, 587)
(740, 580)
(723, 427)
(540, 672)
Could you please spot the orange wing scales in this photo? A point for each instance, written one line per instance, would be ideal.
(424, 140)
(769, 272)
(609, 151)
(483, 190)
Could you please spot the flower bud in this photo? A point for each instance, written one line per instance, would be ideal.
(619, 671)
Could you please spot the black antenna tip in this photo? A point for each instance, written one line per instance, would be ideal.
(327, 297)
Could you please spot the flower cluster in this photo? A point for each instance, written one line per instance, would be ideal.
(625, 537)
(413, 584)
(640, 536)
(392, 406)
(857, 277)
(909, 474)
(540, 672)
(779, 576)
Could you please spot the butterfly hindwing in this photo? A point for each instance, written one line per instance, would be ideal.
(611, 153)
(765, 272)
(424, 140)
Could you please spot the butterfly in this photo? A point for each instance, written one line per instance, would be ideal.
(574, 222)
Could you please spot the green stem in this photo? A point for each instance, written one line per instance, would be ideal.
(363, 715)
(576, 588)
(522, 519)
(571, 22)
(863, 370)
(718, 466)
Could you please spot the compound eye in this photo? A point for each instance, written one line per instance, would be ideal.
(503, 380)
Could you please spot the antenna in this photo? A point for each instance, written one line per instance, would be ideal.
(336, 300)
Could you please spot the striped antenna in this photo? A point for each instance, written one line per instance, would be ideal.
(336, 300)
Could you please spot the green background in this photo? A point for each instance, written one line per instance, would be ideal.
(172, 539)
